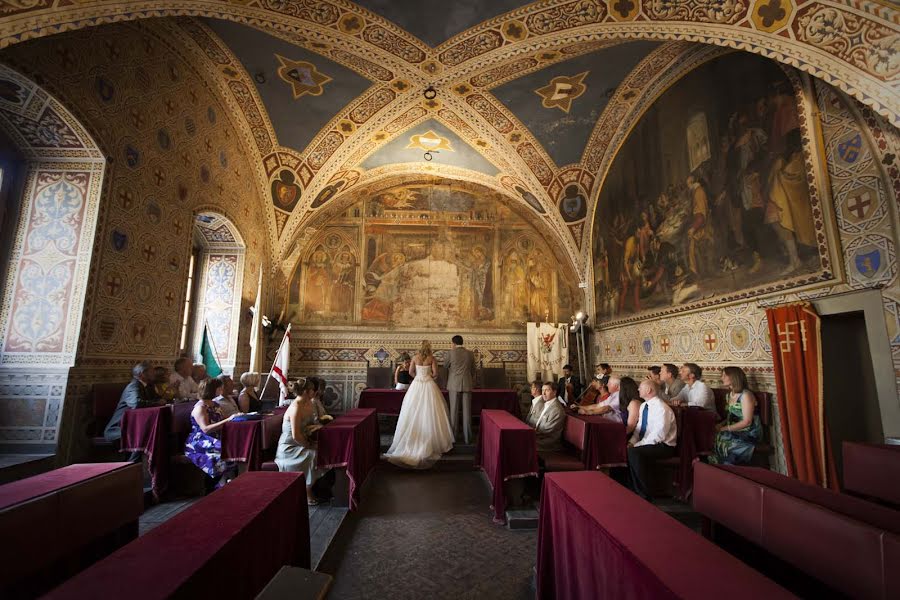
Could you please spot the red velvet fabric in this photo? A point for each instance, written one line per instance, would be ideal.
(352, 441)
(242, 442)
(596, 539)
(388, 402)
(52, 481)
(506, 449)
(872, 470)
(696, 436)
(147, 430)
(849, 506)
(271, 429)
(605, 442)
(54, 515)
(227, 545)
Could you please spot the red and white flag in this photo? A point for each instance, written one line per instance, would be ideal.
(280, 368)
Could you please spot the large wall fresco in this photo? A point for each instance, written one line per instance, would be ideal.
(429, 255)
(709, 194)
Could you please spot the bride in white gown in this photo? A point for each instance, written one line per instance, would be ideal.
(423, 429)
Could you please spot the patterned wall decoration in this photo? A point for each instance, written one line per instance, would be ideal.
(174, 151)
(429, 254)
(731, 200)
(737, 334)
(222, 272)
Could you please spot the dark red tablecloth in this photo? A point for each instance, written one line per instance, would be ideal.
(23, 490)
(271, 429)
(227, 545)
(605, 442)
(352, 441)
(697, 435)
(388, 402)
(872, 470)
(147, 430)
(874, 514)
(506, 449)
(244, 441)
(596, 539)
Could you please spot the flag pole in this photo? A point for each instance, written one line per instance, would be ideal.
(212, 343)
(269, 375)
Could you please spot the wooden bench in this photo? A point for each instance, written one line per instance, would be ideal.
(872, 471)
(227, 545)
(295, 583)
(59, 522)
(596, 539)
(104, 399)
(848, 544)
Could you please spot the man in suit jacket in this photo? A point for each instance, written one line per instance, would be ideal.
(460, 375)
(137, 394)
(548, 417)
(568, 377)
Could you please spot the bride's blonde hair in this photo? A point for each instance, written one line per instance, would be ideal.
(425, 349)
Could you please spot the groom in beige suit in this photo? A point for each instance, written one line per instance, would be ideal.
(461, 374)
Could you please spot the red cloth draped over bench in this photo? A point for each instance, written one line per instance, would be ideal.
(872, 470)
(596, 539)
(605, 443)
(245, 441)
(147, 430)
(227, 545)
(506, 449)
(388, 402)
(696, 436)
(352, 441)
(847, 543)
(57, 514)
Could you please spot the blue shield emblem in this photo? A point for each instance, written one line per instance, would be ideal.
(848, 150)
(132, 156)
(104, 89)
(868, 264)
(119, 240)
(647, 345)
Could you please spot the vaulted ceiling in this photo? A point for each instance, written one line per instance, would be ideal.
(532, 99)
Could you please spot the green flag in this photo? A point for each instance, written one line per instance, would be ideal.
(208, 352)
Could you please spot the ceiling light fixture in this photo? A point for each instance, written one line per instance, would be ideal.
(260, 77)
(430, 93)
(427, 156)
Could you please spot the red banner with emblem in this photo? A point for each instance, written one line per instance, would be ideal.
(795, 333)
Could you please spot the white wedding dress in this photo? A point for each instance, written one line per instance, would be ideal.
(423, 429)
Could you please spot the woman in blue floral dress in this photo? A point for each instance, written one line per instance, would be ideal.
(739, 433)
(203, 446)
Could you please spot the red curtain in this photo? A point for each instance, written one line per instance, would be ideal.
(795, 332)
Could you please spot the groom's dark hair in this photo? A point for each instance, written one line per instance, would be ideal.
(457, 339)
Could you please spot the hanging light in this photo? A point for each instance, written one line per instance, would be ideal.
(430, 93)
(427, 156)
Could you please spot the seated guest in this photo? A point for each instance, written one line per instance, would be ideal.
(568, 378)
(629, 403)
(671, 384)
(654, 373)
(536, 390)
(137, 394)
(204, 446)
(739, 433)
(198, 372)
(322, 415)
(225, 397)
(248, 400)
(161, 388)
(653, 438)
(402, 378)
(608, 407)
(185, 386)
(694, 392)
(296, 449)
(548, 417)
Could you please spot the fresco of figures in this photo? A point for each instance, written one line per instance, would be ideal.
(708, 194)
(432, 255)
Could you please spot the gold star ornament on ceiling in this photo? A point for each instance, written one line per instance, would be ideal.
(429, 141)
(303, 77)
(561, 91)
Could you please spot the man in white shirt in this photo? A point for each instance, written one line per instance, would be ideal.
(694, 392)
(653, 439)
(181, 380)
(548, 417)
(609, 408)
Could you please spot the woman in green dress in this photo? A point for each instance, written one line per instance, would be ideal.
(739, 433)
